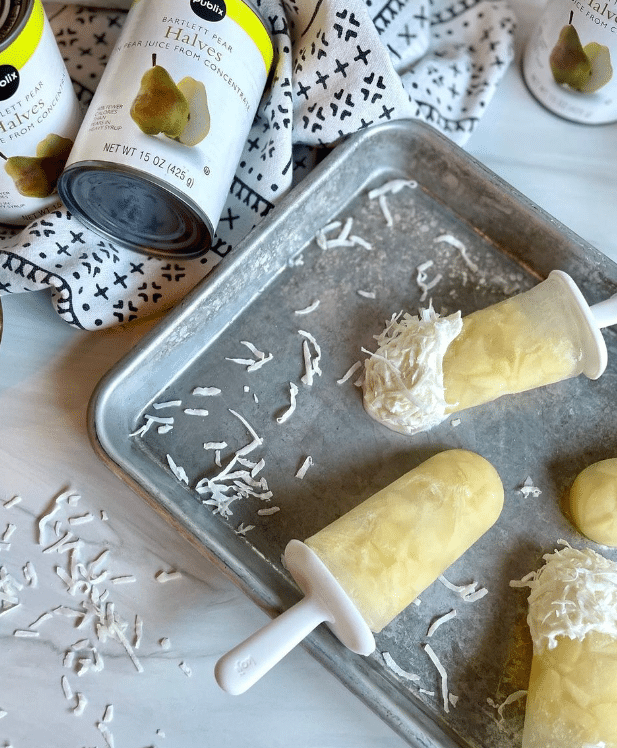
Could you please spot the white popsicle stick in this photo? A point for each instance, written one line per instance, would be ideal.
(591, 320)
(324, 601)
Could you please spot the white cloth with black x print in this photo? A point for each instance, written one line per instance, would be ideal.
(340, 66)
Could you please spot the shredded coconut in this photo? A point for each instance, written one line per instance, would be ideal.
(389, 660)
(442, 674)
(528, 488)
(206, 391)
(308, 309)
(293, 391)
(350, 372)
(458, 244)
(574, 593)
(304, 467)
(403, 383)
(439, 621)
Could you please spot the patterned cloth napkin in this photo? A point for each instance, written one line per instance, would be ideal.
(341, 65)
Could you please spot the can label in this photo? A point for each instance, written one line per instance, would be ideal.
(568, 61)
(178, 97)
(39, 119)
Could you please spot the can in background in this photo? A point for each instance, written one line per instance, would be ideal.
(160, 144)
(39, 112)
(568, 61)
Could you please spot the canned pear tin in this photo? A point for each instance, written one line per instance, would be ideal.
(159, 146)
(39, 112)
(568, 60)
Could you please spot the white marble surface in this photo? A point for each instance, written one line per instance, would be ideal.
(47, 373)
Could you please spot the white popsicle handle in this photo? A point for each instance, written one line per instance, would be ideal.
(605, 312)
(246, 663)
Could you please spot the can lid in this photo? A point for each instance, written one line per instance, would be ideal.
(132, 210)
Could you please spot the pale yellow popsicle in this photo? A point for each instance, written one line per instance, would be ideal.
(572, 695)
(427, 368)
(391, 547)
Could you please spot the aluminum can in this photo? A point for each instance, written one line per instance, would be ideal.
(569, 58)
(159, 146)
(39, 112)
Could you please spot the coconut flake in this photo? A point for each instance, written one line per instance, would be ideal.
(167, 576)
(304, 467)
(403, 382)
(268, 511)
(528, 488)
(392, 186)
(574, 593)
(422, 279)
(293, 391)
(439, 621)
(308, 309)
(458, 244)
(442, 674)
(206, 391)
(350, 372)
(12, 502)
(389, 660)
(168, 404)
(186, 669)
(177, 470)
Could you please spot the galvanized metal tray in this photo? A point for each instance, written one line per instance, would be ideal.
(486, 241)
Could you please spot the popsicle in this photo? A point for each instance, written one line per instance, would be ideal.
(572, 695)
(427, 368)
(364, 568)
(593, 502)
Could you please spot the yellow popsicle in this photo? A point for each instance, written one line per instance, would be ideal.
(572, 695)
(391, 547)
(427, 368)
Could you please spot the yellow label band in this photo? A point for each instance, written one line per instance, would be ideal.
(252, 24)
(21, 50)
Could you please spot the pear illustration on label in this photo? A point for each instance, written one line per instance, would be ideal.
(585, 69)
(601, 68)
(160, 106)
(198, 125)
(36, 176)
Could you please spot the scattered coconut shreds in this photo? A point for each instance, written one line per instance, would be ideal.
(442, 675)
(511, 699)
(385, 209)
(458, 244)
(528, 489)
(66, 688)
(195, 411)
(215, 445)
(105, 732)
(124, 579)
(306, 464)
(82, 703)
(167, 576)
(455, 422)
(439, 621)
(350, 372)
(293, 391)
(389, 660)
(366, 294)
(168, 404)
(12, 502)
(166, 424)
(186, 669)
(243, 529)
(308, 309)
(422, 279)
(3, 713)
(392, 187)
(164, 643)
(467, 592)
(343, 239)
(267, 512)
(178, 471)
(311, 361)
(206, 391)
(26, 633)
(252, 364)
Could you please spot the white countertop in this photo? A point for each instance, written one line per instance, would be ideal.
(47, 374)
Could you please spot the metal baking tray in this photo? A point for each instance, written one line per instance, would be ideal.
(253, 296)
